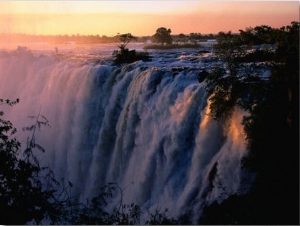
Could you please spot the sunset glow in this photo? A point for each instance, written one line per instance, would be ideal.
(141, 18)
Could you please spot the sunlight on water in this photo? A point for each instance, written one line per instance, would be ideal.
(138, 125)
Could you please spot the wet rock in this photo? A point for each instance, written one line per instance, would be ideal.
(203, 51)
(202, 75)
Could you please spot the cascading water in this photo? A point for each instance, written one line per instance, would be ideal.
(141, 125)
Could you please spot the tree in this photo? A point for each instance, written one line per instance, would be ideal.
(182, 38)
(229, 49)
(21, 195)
(223, 87)
(162, 36)
(125, 39)
(237, 84)
(124, 55)
(264, 34)
(272, 135)
(288, 45)
(28, 192)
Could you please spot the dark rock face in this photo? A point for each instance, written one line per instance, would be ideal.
(202, 75)
(203, 51)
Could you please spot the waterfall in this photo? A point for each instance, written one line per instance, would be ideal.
(138, 125)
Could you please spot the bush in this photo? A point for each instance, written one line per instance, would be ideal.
(129, 56)
(124, 55)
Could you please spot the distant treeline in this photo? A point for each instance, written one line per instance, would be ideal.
(93, 39)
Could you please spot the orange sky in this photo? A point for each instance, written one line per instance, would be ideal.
(142, 17)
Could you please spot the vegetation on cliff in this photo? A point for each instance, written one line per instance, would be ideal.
(30, 193)
(272, 128)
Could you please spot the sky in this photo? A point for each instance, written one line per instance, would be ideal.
(142, 18)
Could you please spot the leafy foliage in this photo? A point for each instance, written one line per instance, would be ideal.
(30, 193)
(21, 195)
(124, 55)
(272, 131)
(236, 86)
(162, 35)
(229, 49)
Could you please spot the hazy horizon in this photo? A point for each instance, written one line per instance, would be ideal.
(141, 18)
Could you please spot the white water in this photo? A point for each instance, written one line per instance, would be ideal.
(139, 125)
